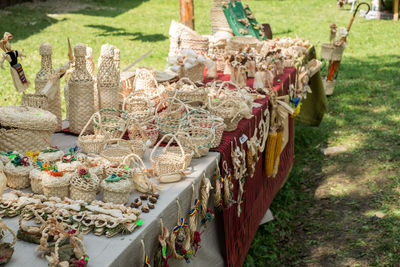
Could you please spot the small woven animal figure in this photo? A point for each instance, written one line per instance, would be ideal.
(17, 73)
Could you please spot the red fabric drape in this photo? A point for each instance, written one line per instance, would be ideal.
(259, 191)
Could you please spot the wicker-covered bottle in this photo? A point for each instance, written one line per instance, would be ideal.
(80, 92)
(108, 84)
(42, 77)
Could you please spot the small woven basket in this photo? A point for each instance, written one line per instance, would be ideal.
(116, 192)
(170, 119)
(145, 82)
(194, 73)
(35, 175)
(111, 122)
(115, 150)
(188, 92)
(50, 155)
(92, 143)
(17, 177)
(84, 188)
(138, 106)
(150, 130)
(68, 166)
(170, 161)
(56, 186)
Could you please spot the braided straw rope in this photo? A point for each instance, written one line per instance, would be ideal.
(84, 189)
(194, 217)
(17, 177)
(217, 194)
(205, 195)
(92, 143)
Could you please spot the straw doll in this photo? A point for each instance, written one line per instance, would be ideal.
(17, 73)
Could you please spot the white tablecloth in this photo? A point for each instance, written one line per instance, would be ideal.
(126, 250)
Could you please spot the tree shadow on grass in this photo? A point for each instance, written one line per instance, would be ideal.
(24, 20)
(113, 31)
(325, 213)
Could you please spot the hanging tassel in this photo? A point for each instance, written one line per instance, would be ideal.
(278, 151)
(270, 153)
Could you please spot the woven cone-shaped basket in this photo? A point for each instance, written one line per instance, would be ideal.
(92, 143)
(35, 175)
(56, 186)
(17, 177)
(116, 192)
(84, 188)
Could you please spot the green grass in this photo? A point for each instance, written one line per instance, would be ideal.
(324, 213)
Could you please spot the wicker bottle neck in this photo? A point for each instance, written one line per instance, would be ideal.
(46, 68)
(108, 73)
(80, 73)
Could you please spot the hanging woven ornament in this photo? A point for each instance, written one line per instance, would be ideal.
(161, 258)
(205, 195)
(145, 258)
(179, 241)
(218, 187)
(228, 185)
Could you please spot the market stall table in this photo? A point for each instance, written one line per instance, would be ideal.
(126, 250)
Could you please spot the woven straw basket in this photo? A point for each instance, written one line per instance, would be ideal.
(182, 37)
(84, 189)
(138, 106)
(56, 186)
(34, 101)
(111, 122)
(149, 129)
(49, 156)
(92, 143)
(35, 175)
(170, 164)
(200, 132)
(25, 128)
(17, 177)
(116, 192)
(219, 131)
(68, 166)
(170, 119)
(115, 150)
(188, 92)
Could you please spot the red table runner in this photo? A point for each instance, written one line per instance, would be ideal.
(259, 191)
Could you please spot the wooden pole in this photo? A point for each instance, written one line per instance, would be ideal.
(187, 13)
(396, 10)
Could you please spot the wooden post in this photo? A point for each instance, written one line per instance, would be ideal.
(396, 10)
(187, 13)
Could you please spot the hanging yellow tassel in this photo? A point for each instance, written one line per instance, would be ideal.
(278, 150)
(297, 110)
(270, 153)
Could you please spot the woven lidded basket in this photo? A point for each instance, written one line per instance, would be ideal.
(116, 189)
(17, 176)
(56, 186)
(35, 175)
(84, 185)
(50, 155)
(25, 128)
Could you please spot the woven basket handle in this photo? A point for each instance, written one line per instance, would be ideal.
(227, 82)
(186, 80)
(173, 137)
(37, 216)
(156, 117)
(4, 226)
(136, 158)
(96, 114)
